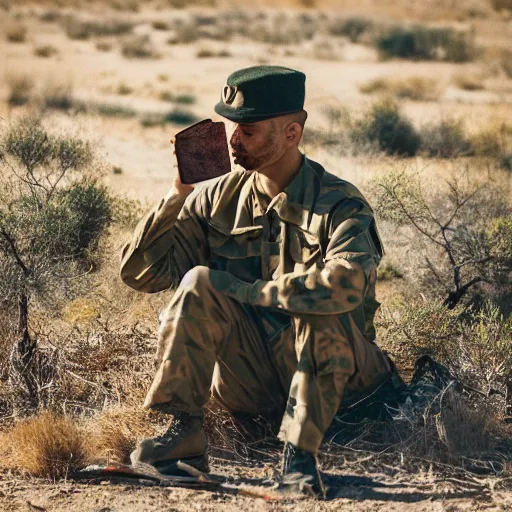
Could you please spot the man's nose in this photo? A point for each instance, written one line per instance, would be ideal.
(234, 137)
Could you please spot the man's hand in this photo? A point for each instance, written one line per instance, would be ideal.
(181, 188)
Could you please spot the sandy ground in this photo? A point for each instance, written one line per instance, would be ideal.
(145, 158)
(350, 492)
(145, 155)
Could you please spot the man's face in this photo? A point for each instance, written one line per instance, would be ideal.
(255, 145)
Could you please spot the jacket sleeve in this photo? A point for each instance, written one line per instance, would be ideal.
(166, 243)
(334, 286)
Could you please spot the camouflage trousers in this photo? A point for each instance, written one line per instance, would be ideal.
(260, 361)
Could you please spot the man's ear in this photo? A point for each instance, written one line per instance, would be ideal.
(293, 133)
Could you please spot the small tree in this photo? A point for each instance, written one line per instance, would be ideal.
(462, 226)
(52, 214)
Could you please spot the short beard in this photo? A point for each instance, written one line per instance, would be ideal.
(251, 163)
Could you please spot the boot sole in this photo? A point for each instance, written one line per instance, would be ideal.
(170, 467)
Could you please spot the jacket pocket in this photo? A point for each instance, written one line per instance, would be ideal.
(236, 251)
(305, 247)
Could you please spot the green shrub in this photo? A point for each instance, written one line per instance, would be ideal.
(387, 271)
(385, 126)
(425, 43)
(446, 139)
(185, 99)
(58, 97)
(180, 116)
(505, 161)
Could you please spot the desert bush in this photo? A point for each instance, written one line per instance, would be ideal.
(124, 89)
(138, 47)
(280, 30)
(57, 96)
(103, 46)
(185, 32)
(354, 28)
(180, 116)
(325, 49)
(204, 53)
(475, 344)
(16, 32)
(110, 109)
(177, 116)
(160, 25)
(456, 246)
(385, 126)
(150, 119)
(308, 4)
(505, 161)
(20, 89)
(166, 96)
(81, 28)
(502, 5)
(492, 141)
(52, 215)
(50, 16)
(468, 82)
(446, 139)
(425, 43)
(45, 50)
(185, 99)
(506, 62)
(48, 446)
(415, 88)
(125, 5)
(387, 271)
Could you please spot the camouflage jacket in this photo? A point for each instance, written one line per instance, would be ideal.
(318, 257)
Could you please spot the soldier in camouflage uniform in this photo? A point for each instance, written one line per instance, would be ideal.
(274, 271)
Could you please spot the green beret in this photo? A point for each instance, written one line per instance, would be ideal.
(261, 92)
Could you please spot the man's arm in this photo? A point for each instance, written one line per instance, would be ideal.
(336, 286)
(167, 243)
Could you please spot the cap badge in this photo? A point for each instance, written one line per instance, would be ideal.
(229, 93)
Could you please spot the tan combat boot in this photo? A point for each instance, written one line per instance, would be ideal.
(184, 440)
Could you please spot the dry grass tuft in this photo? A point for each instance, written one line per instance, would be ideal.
(415, 88)
(500, 5)
(506, 62)
(45, 50)
(464, 431)
(204, 53)
(48, 445)
(16, 33)
(116, 431)
(469, 82)
(20, 89)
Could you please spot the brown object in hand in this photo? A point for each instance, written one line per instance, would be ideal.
(202, 152)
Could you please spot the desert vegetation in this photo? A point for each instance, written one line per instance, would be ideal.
(409, 104)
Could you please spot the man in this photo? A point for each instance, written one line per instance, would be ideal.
(274, 268)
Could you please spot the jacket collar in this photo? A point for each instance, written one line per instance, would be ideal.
(295, 204)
